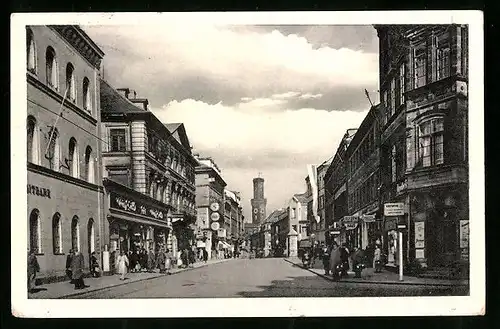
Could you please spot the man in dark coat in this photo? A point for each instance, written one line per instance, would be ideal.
(33, 268)
(344, 258)
(151, 260)
(69, 260)
(77, 265)
(205, 255)
(160, 261)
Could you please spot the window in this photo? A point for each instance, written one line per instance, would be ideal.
(117, 140)
(75, 234)
(393, 96)
(73, 158)
(53, 151)
(87, 104)
(442, 57)
(89, 165)
(35, 232)
(57, 234)
(420, 63)
(159, 193)
(32, 140)
(401, 84)
(393, 163)
(51, 68)
(91, 236)
(386, 106)
(30, 52)
(430, 142)
(70, 82)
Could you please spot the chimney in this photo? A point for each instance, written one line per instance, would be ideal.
(125, 92)
(143, 101)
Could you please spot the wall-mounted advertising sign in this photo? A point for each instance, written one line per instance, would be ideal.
(40, 191)
(215, 216)
(350, 222)
(136, 207)
(215, 226)
(394, 209)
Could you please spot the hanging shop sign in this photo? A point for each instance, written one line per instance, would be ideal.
(394, 209)
(123, 203)
(40, 191)
(215, 226)
(215, 216)
(214, 206)
(350, 222)
(368, 218)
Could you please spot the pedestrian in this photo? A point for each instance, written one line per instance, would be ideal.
(161, 260)
(33, 268)
(77, 265)
(205, 255)
(151, 261)
(112, 262)
(335, 261)
(137, 261)
(123, 263)
(69, 259)
(358, 258)
(133, 261)
(185, 257)
(344, 257)
(168, 261)
(94, 265)
(192, 256)
(326, 259)
(377, 259)
(144, 259)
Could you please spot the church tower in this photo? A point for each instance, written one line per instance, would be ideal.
(259, 202)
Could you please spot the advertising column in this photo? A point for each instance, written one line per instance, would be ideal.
(395, 235)
(215, 218)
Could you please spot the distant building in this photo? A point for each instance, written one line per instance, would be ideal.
(258, 202)
(318, 227)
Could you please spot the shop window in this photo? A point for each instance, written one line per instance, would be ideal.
(442, 57)
(32, 140)
(53, 151)
(75, 233)
(70, 82)
(35, 232)
(57, 234)
(73, 158)
(419, 66)
(117, 137)
(51, 68)
(30, 52)
(89, 165)
(87, 103)
(430, 142)
(91, 235)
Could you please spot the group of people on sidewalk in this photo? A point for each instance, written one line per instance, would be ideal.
(338, 260)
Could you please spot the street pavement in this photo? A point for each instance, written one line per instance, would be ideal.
(271, 277)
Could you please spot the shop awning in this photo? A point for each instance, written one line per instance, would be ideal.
(137, 219)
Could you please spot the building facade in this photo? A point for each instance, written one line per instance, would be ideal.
(336, 191)
(64, 193)
(363, 223)
(423, 80)
(318, 228)
(149, 176)
(209, 202)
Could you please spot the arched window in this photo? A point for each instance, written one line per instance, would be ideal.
(35, 232)
(57, 233)
(53, 152)
(91, 236)
(75, 233)
(51, 68)
(73, 158)
(89, 165)
(30, 52)
(70, 82)
(87, 104)
(32, 140)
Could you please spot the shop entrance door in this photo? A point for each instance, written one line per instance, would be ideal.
(442, 248)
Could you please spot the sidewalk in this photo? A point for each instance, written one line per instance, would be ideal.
(386, 277)
(67, 290)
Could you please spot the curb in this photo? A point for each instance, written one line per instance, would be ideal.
(140, 280)
(437, 284)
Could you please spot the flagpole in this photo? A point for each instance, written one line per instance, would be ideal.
(55, 123)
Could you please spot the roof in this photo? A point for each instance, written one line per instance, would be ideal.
(179, 132)
(302, 198)
(273, 217)
(113, 101)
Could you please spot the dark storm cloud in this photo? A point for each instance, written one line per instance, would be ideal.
(356, 37)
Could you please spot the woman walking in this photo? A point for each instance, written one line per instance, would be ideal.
(160, 261)
(151, 261)
(77, 265)
(94, 265)
(122, 264)
(335, 261)
(377, 259)
(168, 261)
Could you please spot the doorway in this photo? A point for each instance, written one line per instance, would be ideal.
(443, 239)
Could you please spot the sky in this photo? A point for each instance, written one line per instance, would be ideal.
(267, 99)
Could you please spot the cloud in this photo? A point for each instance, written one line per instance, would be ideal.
(310, 96)
(278, 143)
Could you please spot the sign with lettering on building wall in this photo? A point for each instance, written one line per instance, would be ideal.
(419, 234)
(39, 191)
(202, 217)
(350, 222)
(394, 209)
(136, 207)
